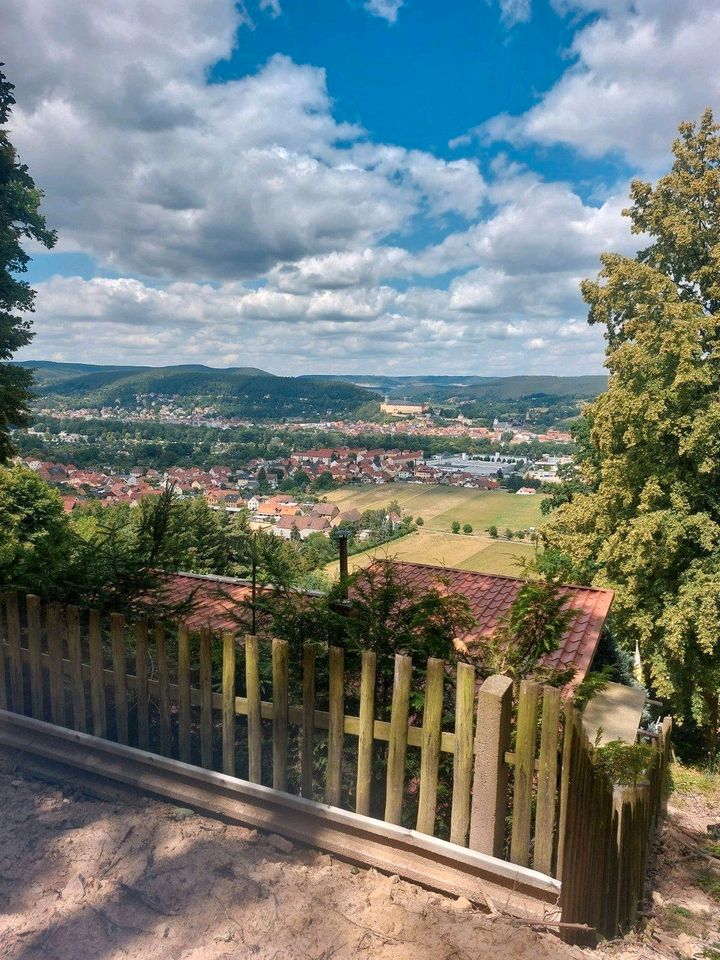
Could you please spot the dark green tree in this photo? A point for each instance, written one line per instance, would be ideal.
(20, 219)
(641, 512)
(38, 551)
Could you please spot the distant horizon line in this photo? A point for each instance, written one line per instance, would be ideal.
(207, 366)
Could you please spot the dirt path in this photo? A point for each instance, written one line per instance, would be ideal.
(88, 876)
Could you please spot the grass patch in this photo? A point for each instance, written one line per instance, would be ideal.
(439, 506)
(490, 508)
(500, 556)
(680, 920)
(687, 780)
(445, 550)
(709, 883)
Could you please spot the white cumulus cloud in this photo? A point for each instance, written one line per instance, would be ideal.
(387, 9)
(636, 70)
(243, 222)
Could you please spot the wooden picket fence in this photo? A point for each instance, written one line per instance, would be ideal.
(524, 786)
(607, 837)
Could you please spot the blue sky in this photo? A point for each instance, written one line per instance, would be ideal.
(343, 185)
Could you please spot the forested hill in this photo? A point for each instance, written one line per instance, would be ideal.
(232, 391)
(482, 388)
(251, 392)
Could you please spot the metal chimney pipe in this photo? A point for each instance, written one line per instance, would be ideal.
(342, 538)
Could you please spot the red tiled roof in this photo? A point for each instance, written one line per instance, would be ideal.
(490, 596)
(211, 601)
(221, 603)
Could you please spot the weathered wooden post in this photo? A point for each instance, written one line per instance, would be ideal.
(463, 758)
(366, 736)
(397, 745)
(280, 716)
(34, 620)
(490, 776)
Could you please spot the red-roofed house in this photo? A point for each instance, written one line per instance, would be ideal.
(304, 526)
(490, 596)
(221, 603)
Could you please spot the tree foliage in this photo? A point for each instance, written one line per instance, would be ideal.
(20, 220)
(36, 545)
(641, 512)
(532, 628)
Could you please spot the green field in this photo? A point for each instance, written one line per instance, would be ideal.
(447, 550)
(439, 506)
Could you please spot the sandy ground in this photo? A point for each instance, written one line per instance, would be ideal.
(98, 874)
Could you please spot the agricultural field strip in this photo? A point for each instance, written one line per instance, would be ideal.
(439, 506)
(479, 553)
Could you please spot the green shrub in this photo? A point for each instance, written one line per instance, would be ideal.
(625, 763)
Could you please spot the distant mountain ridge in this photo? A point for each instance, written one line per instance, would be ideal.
(250, 391)
(482, 388)
(233, 391)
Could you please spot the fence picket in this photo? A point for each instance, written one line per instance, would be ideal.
(97, 678)
(336, 709)
(547, 782)
(4, 691)
(119, 659)
(228, 694)
(12, 613)
(308, 721)
(567, 715)
(34, 624)
(184, 715)
(163, 676)
(366, 733)
(463, 757)
(430, 751)
(142, 699)
(252, 682)
(397, 749)
(611, 899)
(55, 650)
(280, 713)
(206, 722)
(77, 685)
(524, 773)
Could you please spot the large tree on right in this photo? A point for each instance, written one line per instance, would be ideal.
(642, 513)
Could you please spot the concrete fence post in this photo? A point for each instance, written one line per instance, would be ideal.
(490, 775)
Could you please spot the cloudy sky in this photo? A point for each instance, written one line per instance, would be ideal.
(348, 186)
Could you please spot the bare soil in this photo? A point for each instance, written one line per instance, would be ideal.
(98, 873)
